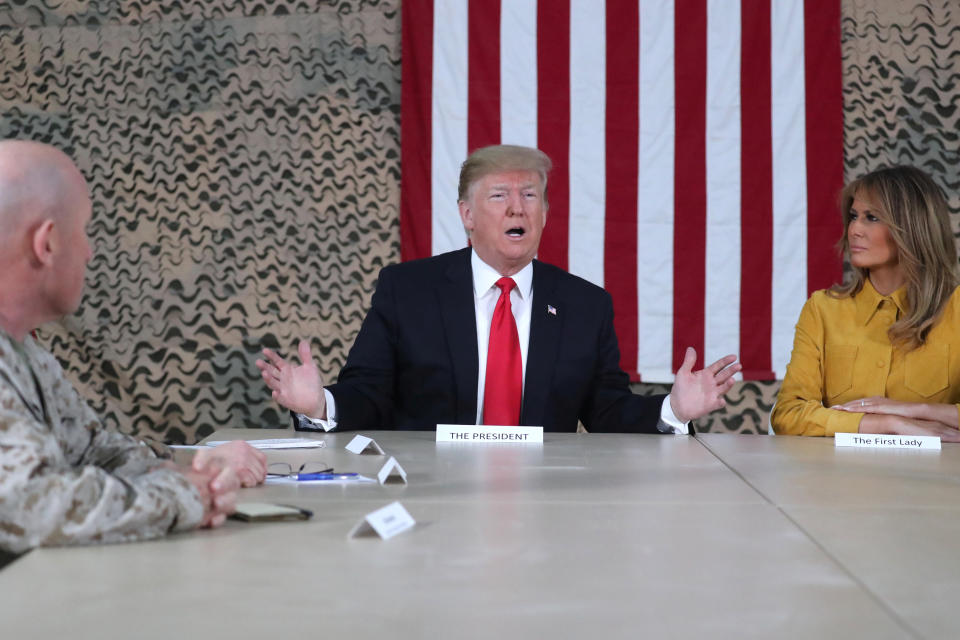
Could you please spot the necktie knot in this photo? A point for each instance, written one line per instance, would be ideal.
(506, 284)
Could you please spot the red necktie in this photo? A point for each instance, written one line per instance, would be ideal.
(504, 382)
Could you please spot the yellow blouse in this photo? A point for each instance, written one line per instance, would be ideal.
(841, 352)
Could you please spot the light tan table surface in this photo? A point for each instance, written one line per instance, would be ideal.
(590, 535)
(891, 517)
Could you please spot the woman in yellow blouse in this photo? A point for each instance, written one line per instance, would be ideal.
(881, 352)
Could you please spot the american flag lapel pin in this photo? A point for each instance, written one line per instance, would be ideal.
(552, 310)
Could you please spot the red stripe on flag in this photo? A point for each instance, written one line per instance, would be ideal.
(756, 200)
(553, 123)
(622, 133)
(690, 177)
(415, 129)
(483, 84)
(823, 77)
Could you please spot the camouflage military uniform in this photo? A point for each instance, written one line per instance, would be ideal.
(64, 478)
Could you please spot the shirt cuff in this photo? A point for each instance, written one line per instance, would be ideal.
(842, 422)
(306, 422)
(669, 422)
(189, 503)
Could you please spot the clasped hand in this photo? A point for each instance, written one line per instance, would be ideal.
(248, 463)
(217, 485)
(219, 472)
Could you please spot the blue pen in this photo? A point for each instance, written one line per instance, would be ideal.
(326, 476)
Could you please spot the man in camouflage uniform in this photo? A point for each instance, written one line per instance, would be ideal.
(64, 478)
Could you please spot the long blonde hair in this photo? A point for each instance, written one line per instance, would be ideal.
(913, 207)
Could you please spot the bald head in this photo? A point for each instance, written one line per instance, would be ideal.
(37, 181)
(44, 249)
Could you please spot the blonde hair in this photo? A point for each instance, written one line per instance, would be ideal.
(913, 207)
(502, 157)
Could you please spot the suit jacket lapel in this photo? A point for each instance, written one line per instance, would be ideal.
(546, 318)
(460, 325)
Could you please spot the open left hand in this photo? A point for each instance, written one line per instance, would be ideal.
(249, 464)
(298, 387)
(698, 393)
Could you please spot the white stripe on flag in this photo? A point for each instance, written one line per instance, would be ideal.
(722, 295)
(657, 138)
(449, 122)
(587, 131)
(518, 72)
(655, 192)
(788, 124)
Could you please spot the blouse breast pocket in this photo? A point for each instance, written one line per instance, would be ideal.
(927, 369)
(838, 362)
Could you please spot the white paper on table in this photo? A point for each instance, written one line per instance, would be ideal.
(277, 443)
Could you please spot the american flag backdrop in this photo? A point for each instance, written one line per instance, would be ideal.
(697, 149)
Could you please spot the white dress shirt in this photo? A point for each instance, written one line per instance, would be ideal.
(486, 293)
(485, 296)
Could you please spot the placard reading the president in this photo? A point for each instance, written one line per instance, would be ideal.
(880, 441)
(488, 434)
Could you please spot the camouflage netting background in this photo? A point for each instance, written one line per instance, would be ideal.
(243, 157)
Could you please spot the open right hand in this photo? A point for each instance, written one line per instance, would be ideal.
(697, 393)
(296, 387)
(898, 425)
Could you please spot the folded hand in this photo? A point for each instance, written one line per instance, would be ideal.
(249, 464)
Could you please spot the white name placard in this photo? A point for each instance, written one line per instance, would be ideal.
(879, 441)
(385, 522)
(364, 445)
(488, 434)
(392, 472)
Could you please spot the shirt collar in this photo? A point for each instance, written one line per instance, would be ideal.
(485, 276)
(869, 299)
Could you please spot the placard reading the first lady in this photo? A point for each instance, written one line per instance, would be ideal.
(488, 434)
(881, 441)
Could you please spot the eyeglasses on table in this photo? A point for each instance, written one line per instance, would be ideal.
(285, 469)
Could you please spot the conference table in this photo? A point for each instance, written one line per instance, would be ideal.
(584, 535)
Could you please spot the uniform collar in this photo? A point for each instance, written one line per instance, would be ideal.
(869, 300)
(16, 370)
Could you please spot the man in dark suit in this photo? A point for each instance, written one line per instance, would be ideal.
(488, 335)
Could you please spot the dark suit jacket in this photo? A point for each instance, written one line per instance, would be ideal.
(414, 363)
